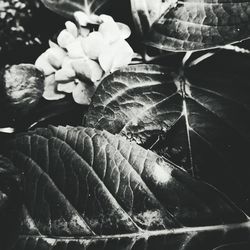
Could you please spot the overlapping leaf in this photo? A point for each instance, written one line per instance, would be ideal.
(89, 189)
(194, 25)
(68, 7)
(200, 120)
(146, 12)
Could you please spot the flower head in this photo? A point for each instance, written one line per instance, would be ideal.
(86, 51)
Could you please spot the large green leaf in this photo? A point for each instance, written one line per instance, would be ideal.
(193, 25)
(89, 189)
(199, 118)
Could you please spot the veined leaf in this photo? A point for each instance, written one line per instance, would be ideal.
(199, 118)
(194, 25)
(68, 7)
(89, 189)
(146, 12)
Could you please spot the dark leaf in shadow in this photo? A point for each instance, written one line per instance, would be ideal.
(199, 118)
(10, 203)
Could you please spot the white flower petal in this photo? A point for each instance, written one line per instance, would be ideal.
(67, 62)
(64, 75)
(75, 49)
(106, 18)
(83, 93)
(110, 31)
(43, 64)
(66, 87)
(106, 59)
(50, 91)
(125, 30)
(84, 32)
(86, 68)
(81, 18)
(53, 45)
(118, 55)
(71, 28)
(94, 44)
(56, 56)
(65, 38)
(94, 19)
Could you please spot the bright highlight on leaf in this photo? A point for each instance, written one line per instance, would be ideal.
(200, 118)
(192, 25)
(83, 187)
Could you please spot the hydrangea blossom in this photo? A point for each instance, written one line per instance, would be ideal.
(85, 52)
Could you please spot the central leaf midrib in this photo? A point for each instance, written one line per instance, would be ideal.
(146, 234)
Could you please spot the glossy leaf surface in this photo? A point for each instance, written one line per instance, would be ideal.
(106, 192)
(193, 25)
(198, 118)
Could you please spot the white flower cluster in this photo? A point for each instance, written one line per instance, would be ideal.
(85, 52)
